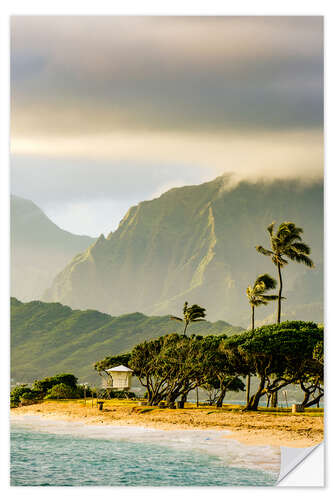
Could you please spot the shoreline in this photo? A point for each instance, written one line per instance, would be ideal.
(252, 428)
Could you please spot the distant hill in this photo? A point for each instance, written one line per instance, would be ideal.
(49, 338)
(197, 243)
(39, 249)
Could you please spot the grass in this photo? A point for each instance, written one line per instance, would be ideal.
(128, 403)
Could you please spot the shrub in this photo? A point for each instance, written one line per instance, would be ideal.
(47, 383)
(23, 392)
(61, 391)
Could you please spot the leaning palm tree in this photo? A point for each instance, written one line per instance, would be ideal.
(257, 296)
(286, 243)
(191, 314)
(256, 293)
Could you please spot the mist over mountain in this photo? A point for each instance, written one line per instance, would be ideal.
(52, 338)
(197, 243)
(39, 249)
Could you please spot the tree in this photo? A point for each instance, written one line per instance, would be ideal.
(286, 243)
(311, 381)
(191, 314)
(279, 354)
(257, 297)
(145, 361)
(217, 373)
(112, 361)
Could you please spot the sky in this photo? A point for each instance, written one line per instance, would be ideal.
(109, 111)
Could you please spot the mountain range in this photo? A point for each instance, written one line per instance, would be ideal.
(49, 338)
(197, 243)
(39, 249)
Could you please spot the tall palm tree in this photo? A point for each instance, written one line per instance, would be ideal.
(257, 296)
(286, 243)
(191, 314)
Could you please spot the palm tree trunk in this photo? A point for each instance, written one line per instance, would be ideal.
(248, 378)
(280, 294)
(186, 325)
(248, 387)
(252, 318)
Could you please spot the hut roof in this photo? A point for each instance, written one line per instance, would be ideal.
(120, 368)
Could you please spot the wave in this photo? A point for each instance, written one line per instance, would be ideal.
(230, 452)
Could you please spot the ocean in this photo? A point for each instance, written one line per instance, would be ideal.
(57, 453)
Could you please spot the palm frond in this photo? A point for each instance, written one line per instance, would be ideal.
(271, 228)
(270, 297)
(176, 318)
(301, 258)
(301, 247)
(264, 251)
(267, 280)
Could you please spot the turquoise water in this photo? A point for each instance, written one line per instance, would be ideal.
(64, 456)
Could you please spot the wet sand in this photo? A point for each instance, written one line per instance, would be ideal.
(252, 428)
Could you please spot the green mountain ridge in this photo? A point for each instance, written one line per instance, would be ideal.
(197, 243)
(49, 338)
(39, 249)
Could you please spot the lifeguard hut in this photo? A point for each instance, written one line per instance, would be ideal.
(119, 378)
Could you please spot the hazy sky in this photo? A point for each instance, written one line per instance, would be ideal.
(108, 111)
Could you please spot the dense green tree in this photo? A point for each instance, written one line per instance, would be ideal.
(286, 243)
(111, 362)
(191, 314)
(217, 372)
(145, 362)
(278, 354)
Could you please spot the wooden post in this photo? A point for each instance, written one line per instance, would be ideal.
(296, 408)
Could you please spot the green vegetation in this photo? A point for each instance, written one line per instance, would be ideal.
(286, 243)
(61, 391)
(257, 296)
(169, 367)
(191, 314)
(50, 338)
(196, 243)
(279, 355)
(59, 386)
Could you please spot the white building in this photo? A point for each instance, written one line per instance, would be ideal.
(120, 377)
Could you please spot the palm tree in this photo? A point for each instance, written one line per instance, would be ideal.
(286, 243)
(191, 314)
(257, 297)
(256, 294)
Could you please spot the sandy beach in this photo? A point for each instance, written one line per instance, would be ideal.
(252, 428)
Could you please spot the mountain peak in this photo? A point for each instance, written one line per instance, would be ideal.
(195, 243)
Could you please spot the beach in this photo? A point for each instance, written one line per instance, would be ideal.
(251, 428)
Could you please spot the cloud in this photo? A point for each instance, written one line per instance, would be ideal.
(109, 111)
(81, 75)
(274, 154)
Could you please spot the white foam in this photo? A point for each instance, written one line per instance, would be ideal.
(231, 452)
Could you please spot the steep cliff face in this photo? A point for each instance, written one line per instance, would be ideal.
(198, 243)
(39, 249)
